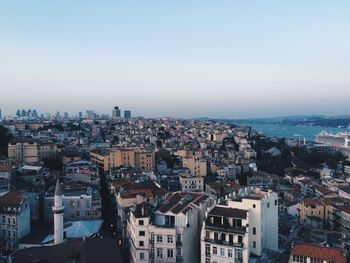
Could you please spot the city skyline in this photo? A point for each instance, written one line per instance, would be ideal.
(217, 59)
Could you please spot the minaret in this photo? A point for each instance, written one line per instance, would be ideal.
(58, 209)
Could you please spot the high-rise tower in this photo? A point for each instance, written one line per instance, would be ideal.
(58, 210)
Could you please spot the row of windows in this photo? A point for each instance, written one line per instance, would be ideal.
(223, 252)
(8, 220)
(169, 253)
(159, 238)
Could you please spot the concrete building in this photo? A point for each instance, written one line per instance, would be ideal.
(263, 217)
(172, 232)
(14, 220)
(80, 202)
(23, 149)
(47, 150)
(191, 183)
(129, 156)
(197, 166)
(225, 236)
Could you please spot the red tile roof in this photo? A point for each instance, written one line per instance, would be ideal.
(318, 252)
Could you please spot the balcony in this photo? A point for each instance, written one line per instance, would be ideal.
(223, 242)
(225, 228)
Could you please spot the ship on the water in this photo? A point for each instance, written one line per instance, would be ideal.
(340, 139)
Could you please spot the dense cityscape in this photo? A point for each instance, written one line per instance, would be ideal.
(116, 188)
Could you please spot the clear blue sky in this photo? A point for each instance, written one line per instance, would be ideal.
(186, 58)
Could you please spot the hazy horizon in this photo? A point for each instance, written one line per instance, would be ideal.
(218, 59)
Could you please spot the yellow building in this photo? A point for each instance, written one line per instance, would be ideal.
(320, 208)
(197, 166)
(129, 156)
(23, 149)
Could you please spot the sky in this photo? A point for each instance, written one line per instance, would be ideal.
(180, 58)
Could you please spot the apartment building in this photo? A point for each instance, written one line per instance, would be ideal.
(191, 183)
(80, 203)
(197, 166)
(129, 156)
(23, 149)
(225, 236)
(14, 220)
(172, 232)
(263, 217)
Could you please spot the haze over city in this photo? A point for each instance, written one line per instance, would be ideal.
(230, 59)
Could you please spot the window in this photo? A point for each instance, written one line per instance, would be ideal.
(142, 256)
(207, 250)
(268, 204)
(216, 235)
(254, 230)
(141, 222)
(222, 252)
(254, 206)
(159, 238)
(170, 239)
(170, 253)
(276, 202)
(207, 234)
(14, 234)
(215, 250)
(229, 253)
(178, 237)
(141, 243)
(178, 251)
(159, 252)
(254, 244)
(230, 238)
(152, 237)
(142, 233)
(13, 221)
(223, 237)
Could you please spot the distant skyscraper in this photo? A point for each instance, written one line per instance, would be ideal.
(90, 115)
(66, 115)
(127, 114)
(18, 113)
(58, 114)
(116, 112)
(23, 113)
(0, 115)
(35, 113)
(80, 115)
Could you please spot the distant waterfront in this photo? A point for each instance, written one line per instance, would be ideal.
(290, 132)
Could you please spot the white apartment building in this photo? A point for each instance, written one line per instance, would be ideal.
(263, 217)
(172, 232)
(191, 183)
(14, 220)
(79, 202)
(225, 236)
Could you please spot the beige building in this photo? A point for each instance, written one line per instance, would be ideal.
(23, 149)
(130, 156)
(197, 166)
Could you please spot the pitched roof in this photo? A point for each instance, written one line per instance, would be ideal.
(11, 199)
(228, 212)
(180, 202)
(318, 252)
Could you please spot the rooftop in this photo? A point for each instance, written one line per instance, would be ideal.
(318, 252)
